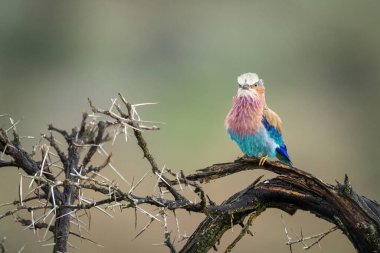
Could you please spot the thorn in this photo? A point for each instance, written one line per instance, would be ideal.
(20, 192)
(347, 188)
(144, 228)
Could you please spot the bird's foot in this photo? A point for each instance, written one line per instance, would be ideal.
(263, 160)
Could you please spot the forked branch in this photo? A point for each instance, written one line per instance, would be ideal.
(356, 216)
(58, 181)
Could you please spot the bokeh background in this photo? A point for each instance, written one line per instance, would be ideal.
(319, 59)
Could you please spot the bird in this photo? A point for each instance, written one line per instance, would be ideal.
(253, 125)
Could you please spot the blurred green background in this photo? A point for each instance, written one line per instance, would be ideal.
(319, 59)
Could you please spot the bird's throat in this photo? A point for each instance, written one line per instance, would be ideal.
(245, 115)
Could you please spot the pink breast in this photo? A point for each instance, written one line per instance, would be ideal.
(245, 115)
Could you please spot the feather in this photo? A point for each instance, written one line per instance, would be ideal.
(272, 124)
(273, 119)
(255, 145)
(282, 155)
(245, 115)
(273, 131)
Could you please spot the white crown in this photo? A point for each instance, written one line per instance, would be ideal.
(248, 78)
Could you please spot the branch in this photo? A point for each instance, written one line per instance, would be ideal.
(294, 189)
(8, 164)
(63, 199)
(318, 238)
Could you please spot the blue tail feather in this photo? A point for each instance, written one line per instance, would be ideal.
(282, 155)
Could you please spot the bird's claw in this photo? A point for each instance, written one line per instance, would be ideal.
(263, 160)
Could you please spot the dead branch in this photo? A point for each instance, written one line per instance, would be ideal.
(56, 195)
(356, 216)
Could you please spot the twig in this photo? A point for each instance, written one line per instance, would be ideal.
(144, 228)
(244, 231)
(167, 241)
(318, 238)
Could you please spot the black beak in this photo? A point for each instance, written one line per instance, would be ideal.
(244, 86)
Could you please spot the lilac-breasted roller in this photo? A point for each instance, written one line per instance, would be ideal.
(252, 125)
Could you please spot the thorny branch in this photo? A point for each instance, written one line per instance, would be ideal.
(55, 188)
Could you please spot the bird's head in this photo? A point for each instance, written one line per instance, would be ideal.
(250, 85)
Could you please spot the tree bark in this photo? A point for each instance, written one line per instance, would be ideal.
(356, 216)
